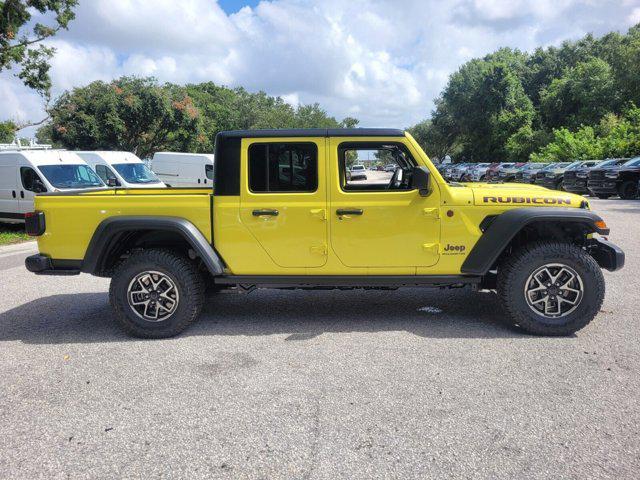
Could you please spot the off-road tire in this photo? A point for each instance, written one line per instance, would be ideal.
(180, 270)
(628, 190)
(515, 269)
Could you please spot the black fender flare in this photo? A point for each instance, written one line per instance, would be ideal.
(109, 231)
(501, 229)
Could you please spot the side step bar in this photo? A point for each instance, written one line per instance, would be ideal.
(348, 281)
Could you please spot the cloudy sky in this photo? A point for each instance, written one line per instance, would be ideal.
(381, 61)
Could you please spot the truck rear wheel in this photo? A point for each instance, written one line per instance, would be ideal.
(156, 294)
(550, 288)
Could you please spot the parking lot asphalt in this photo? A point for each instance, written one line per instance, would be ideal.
(329, 384)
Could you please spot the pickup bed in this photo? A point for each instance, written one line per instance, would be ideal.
(283, 213)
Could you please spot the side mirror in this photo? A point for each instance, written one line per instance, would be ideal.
(112, 182)
(421, 180)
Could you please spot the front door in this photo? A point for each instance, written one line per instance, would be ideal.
(29, 184)
(377, 219)
(283, 199)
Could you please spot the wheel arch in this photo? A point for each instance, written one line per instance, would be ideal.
(522, 225)
(116, 236)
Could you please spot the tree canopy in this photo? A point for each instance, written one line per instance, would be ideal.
(512, 105)
(143, 116)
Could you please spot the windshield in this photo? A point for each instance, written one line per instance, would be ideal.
(608, 163)
(135, 173)
(574, 165)
(537, 166)
(634, 162)
(70, 176)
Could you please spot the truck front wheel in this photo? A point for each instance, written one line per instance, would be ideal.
(550, 288)
(628, 190)
(156, 294)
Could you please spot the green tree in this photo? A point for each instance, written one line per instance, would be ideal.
(582, 96)
(133, 114)
(23, 49)
(7, 132)
(568, 146)
(483, 105)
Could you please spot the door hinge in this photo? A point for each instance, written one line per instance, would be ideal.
(432, 212)
(432, 248)
(321, 213)
(319, 249)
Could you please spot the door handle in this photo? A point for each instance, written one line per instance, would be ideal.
(21, 194)
(13, 193)
(349, 211)
(267, 213)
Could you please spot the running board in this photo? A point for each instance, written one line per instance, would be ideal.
(349, 281)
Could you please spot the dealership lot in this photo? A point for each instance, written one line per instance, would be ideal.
(322, 384)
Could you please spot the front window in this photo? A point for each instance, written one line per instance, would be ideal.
(135, 173)
(208, 171)
(390, 165)
(106, 174)
(70, 176)
(31, 181)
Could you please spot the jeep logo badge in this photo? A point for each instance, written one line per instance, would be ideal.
(453, 249)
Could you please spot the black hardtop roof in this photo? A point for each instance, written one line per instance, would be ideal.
(314, 132)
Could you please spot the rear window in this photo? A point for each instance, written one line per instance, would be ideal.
(283, 167)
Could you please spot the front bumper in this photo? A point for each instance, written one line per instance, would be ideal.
(43, 265)
(609, 187)
(608, 255)
(575, 186)
(549, 182)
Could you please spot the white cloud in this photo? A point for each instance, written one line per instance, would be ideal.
(381, 60)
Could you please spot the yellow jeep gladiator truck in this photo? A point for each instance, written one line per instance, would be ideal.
(285, 213)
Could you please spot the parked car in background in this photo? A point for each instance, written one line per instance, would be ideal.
(477, 172)
(507, 173)
(390, 168)
(178, 169)
(358, 172)
(480, 173)
(527, 174)
(616, 178)
(493, 172)
(575, 177)
(457, 171)
(26, 173)
(553, 175)
(447, 171)
(121, 169)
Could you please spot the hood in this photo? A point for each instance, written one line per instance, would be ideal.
(522, 195)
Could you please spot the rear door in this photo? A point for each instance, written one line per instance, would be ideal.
(283, 198)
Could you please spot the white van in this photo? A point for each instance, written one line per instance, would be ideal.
(184, 169)
(26, 173)
(121, 169)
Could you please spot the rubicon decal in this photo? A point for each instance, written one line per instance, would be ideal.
(529, 200)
